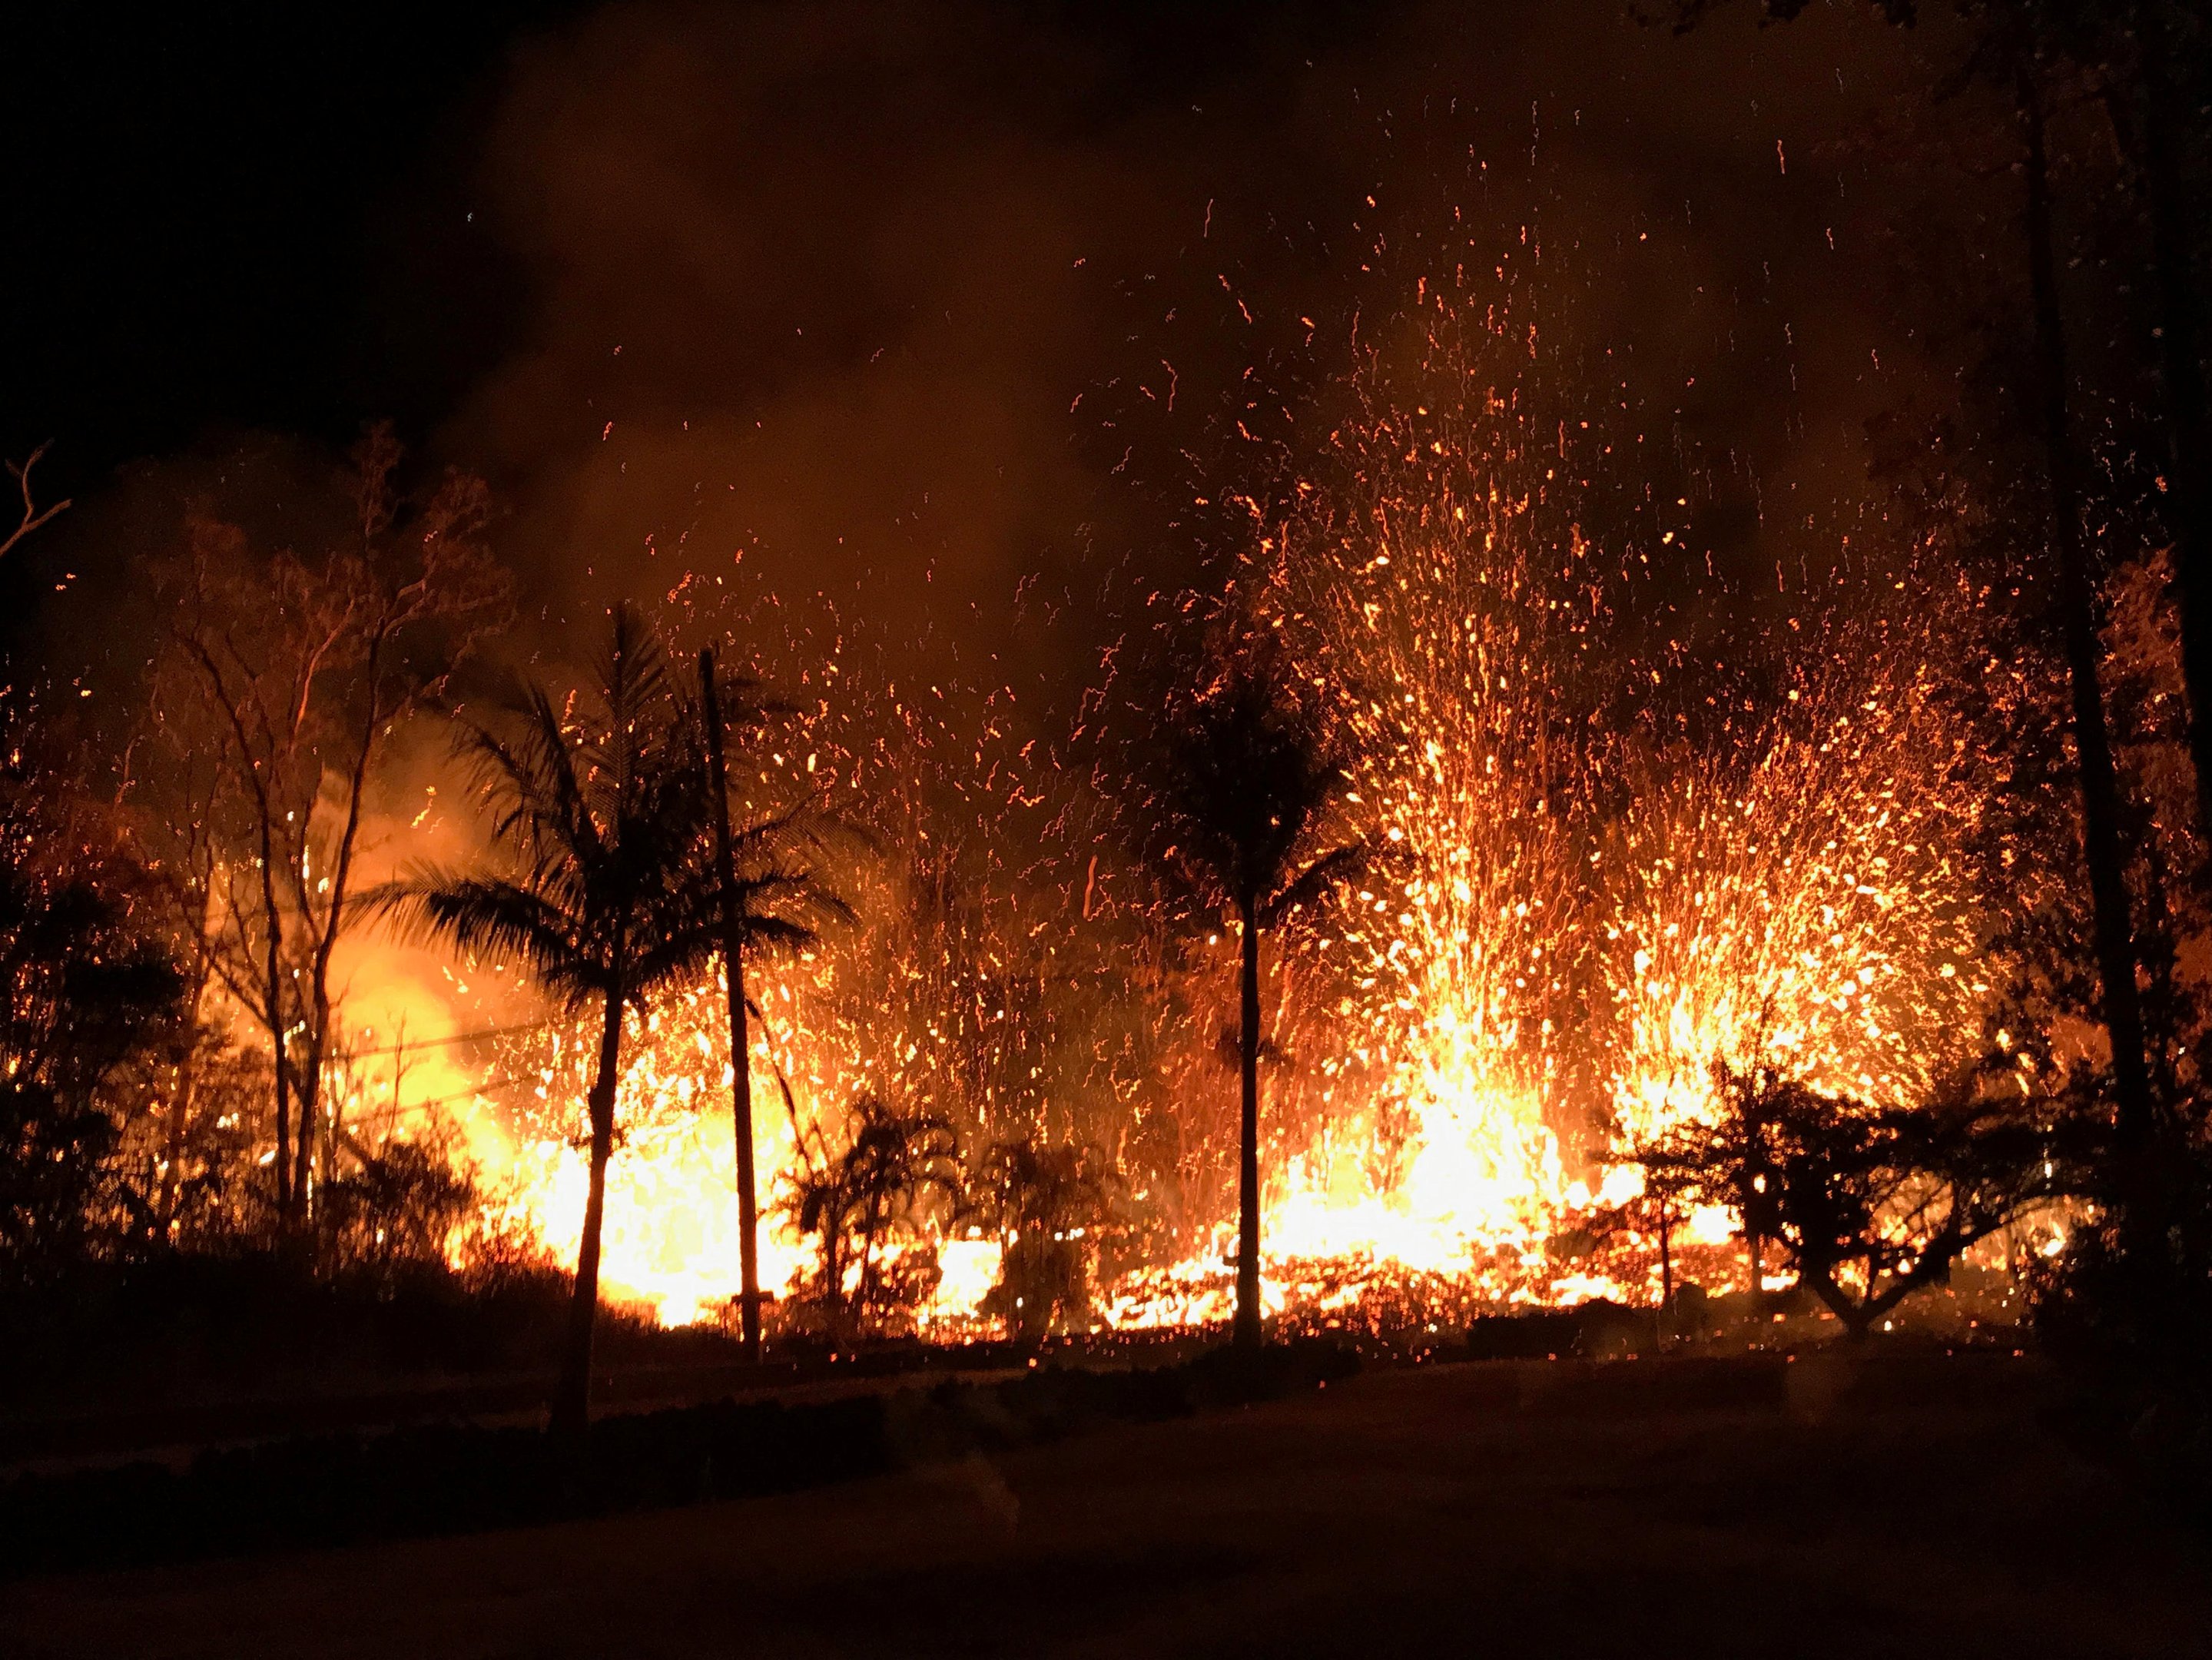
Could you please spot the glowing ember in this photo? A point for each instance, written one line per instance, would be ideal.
(1587, 901)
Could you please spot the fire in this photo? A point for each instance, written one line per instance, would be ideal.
(670, 1240)
(1583, 905)
(1802, 908)
(1548, 980)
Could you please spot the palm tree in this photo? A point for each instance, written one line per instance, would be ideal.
(856, 1200)
(1244, 783)
(1045, 1199)
(767, 899)
(608, 894)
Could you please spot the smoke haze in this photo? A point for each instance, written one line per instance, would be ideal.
(946, 312)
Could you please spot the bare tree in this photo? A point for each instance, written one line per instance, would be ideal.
(284, 679)
(33, 515)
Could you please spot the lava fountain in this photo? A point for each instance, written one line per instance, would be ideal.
(1589, 900)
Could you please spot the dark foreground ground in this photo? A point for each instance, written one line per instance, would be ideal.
(1482, 1509)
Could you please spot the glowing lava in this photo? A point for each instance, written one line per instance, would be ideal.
(1582, 906)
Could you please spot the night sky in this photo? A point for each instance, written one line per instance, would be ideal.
(887, 299)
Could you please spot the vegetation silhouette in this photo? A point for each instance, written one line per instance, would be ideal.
(2135, 76)
(894, 1167)
(1046, 1202)
(1241, 785)
(1868, 1205)
(86, 990)
(607, 896)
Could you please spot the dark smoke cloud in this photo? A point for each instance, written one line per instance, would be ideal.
(821, 284)
(888, 299)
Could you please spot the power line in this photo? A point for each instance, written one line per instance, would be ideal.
(442, 1042)
(399, 1107)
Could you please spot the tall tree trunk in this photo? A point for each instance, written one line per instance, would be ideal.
(2078, 598)
(273, 984)
(572, 1405)
(172, 1151)
(310, 1111)
(2189, 445)
(864, 1296)
(181, 1102)
(324, 934)
(733, 977)
(1754, 1241)
(1247, 1332)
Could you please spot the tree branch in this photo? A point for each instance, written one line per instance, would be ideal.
(33, 515)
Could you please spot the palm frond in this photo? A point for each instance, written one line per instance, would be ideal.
(1325, 877)
(485, 915)
(1242, 775)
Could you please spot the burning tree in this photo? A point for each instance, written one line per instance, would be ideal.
(608, 897)
(1869, 1205)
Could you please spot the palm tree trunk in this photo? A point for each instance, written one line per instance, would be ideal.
(734, 975)
(1246, 1334)
(572, 1405)
(2113, 927)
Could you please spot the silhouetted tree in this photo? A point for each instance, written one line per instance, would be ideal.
(608, 894)
(1869, 1206)
(2081, 605)
(88, 988)
(2151, 63)
(1044, 1202)
(893, 1165)
(282, 680)
(2155, 58)
(1242, 781)
(2020, 47)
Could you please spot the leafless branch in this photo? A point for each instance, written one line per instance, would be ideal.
(33, 516)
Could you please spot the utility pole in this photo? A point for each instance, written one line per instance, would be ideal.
(733, 977)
